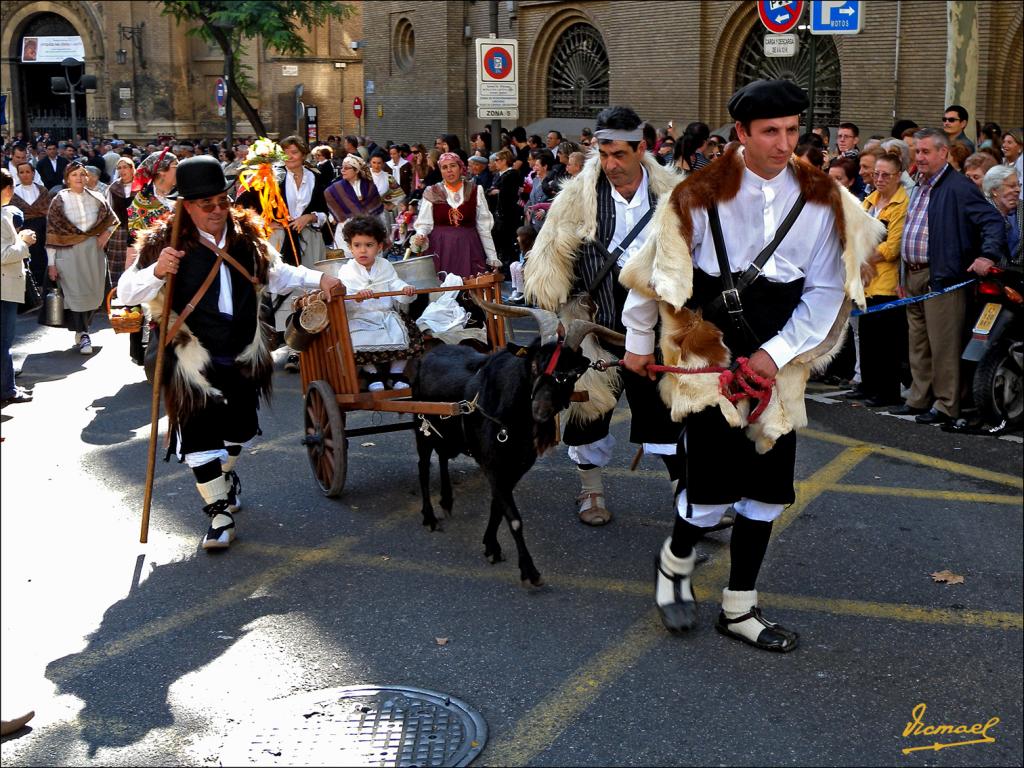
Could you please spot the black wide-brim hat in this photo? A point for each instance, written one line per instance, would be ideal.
(763, 100)
(200, 177)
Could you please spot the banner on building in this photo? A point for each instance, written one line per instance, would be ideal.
(37, 50)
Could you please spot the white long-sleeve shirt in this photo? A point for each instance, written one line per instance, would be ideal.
(810, 251)
(141, 285)
(484, 219)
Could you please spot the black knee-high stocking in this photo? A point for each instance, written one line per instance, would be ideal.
(207, 472)
(684, 536)
(747, 548)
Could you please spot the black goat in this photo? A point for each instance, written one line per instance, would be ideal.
(515, 394)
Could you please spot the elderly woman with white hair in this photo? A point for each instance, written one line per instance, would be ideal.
(901, 147)
(353, 194)
(1002, 188)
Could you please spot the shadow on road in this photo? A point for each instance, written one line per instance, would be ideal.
(119, 415)
(138, 652)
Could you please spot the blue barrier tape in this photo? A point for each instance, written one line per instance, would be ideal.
(909, 300)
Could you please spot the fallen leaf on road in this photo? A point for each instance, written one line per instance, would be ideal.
(367, 445)
(441, 640)
(948, 577)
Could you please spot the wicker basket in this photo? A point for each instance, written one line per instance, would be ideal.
(124, 319)
(313, 318)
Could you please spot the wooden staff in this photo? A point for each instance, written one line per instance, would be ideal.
(154, 413)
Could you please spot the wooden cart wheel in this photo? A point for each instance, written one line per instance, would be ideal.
(325, 439)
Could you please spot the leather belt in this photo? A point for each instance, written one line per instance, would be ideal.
(914, 267)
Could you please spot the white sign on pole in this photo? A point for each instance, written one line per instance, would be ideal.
(51, 49)
(505, 113)
(780, 45)
(124, 93)
(497, 78)
(836, 17)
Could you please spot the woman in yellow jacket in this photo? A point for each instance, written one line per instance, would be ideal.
(880, 332)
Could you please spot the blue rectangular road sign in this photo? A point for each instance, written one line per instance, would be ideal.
(836, 17)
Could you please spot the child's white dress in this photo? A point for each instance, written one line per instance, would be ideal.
(374, 324)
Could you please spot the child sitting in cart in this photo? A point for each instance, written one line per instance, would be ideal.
(380, 334)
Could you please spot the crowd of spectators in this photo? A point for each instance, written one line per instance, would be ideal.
(952, 209)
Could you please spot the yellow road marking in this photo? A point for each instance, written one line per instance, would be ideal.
(918, 458)
(95, 655)
(927, 493)
(898, 612)
(546, 721)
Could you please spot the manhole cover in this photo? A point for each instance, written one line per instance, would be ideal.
(361, 725)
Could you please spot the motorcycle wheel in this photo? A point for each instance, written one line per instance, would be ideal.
(999, 384)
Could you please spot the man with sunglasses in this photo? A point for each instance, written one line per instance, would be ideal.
(954, 121)
(218, 361)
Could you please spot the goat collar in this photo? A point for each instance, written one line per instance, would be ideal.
(554, 360)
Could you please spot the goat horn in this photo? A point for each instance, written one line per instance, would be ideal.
(546, 320)
(580, 329)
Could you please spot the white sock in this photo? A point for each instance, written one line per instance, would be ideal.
(397, 366)
(590, 480)
(679, 566)
(734, 605)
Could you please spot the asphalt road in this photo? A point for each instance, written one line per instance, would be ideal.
(161, 654)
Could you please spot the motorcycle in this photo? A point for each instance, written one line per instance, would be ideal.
(997, 346)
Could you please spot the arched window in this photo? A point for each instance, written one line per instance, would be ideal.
(754, 65)
(578, 74)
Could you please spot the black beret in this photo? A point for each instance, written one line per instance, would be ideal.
(765, 99)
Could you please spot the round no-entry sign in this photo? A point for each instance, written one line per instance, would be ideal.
(220, 91)
(780, 16)
(357, 107)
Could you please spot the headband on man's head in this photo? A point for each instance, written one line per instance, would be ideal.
(620, 134)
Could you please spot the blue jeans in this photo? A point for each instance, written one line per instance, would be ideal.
(8, 325)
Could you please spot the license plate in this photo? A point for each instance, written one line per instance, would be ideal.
(987, 318)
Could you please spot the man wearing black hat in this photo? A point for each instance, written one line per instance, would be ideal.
(770, 226)
(218, 363)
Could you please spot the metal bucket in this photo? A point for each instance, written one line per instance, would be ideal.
(295, 336)
(418, 272)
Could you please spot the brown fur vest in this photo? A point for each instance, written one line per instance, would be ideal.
(186, 385)
(663, 270)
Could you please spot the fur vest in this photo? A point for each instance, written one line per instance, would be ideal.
(663, 270)
(550, 271)
(187, 388)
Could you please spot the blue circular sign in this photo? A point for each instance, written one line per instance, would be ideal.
(498, 62)
(220, 91)
(780, 16)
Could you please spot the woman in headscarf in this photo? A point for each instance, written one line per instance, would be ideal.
(354, 194)
(78, 225)
(454, 222)
(33, 201)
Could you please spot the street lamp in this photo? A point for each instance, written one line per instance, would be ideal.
(62, 85)
(134, 36)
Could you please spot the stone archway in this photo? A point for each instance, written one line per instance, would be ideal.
(544, 47)
(729, 41)
(83, 18)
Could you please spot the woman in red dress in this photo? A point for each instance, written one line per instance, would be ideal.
(454, 222)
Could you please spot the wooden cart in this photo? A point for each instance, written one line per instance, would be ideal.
(330, 380)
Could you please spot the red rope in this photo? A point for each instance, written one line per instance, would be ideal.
(750, 383)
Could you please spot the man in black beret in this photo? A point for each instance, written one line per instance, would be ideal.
(218, 361)
(759, 232)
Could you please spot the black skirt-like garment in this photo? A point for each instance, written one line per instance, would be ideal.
(235, 420)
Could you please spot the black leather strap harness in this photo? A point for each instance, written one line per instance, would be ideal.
(730, 297)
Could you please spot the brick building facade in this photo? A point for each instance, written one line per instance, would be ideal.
(165, 85)
(676, 61)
